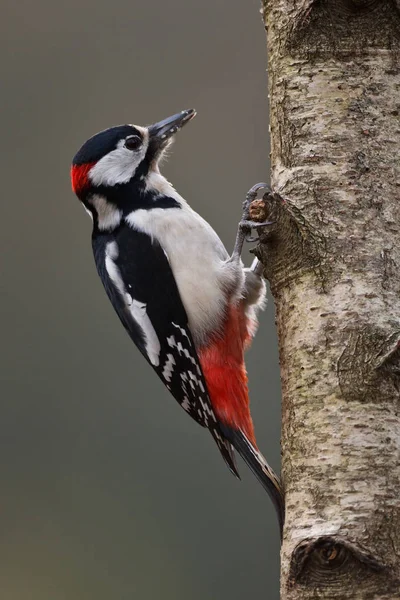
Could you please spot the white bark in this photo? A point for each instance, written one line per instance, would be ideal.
(333, 262)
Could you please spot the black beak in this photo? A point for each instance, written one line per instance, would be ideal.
(163, 130)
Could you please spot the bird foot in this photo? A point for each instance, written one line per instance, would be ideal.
(246, 224)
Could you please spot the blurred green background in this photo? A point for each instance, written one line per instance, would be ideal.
(108, 489)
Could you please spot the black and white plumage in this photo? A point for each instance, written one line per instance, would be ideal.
(188, 306)
(151, 310)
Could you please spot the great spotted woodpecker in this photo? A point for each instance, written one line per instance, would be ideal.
(190, 308)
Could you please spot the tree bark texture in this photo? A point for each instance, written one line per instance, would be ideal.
(333, 262)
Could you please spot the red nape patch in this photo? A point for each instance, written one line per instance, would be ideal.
(79, 176)
(225, 373)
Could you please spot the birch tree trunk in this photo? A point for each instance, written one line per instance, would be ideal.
(333, 260)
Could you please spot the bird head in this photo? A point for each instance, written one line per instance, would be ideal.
(117, 164)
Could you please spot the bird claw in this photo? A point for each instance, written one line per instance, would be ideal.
(246, 224)
(252, 194)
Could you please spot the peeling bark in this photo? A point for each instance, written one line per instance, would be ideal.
(332, 259)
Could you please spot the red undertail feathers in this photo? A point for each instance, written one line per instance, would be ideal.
(225, 372)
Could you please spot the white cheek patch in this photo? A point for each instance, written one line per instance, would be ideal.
(119, 165)
(135, 307)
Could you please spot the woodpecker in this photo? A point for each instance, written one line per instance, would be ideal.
(190, 308)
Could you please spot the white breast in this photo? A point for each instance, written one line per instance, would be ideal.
(206, 279)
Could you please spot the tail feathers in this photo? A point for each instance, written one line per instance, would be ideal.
(259, 466)
(227, 452)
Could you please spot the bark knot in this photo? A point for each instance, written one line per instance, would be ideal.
(326, 562)
(291, 246)
(368, 368)
(339, 27)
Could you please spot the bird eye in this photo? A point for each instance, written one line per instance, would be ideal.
(133, 142)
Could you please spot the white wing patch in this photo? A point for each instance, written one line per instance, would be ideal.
(136, 308)
(181, 350)
(152, 343)
(168, 367)
(186, 404)
(183, 332)
(112, 269)
(171, 341)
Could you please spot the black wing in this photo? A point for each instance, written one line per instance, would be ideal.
(138, 279)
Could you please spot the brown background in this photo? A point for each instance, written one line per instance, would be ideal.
(108, 490)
